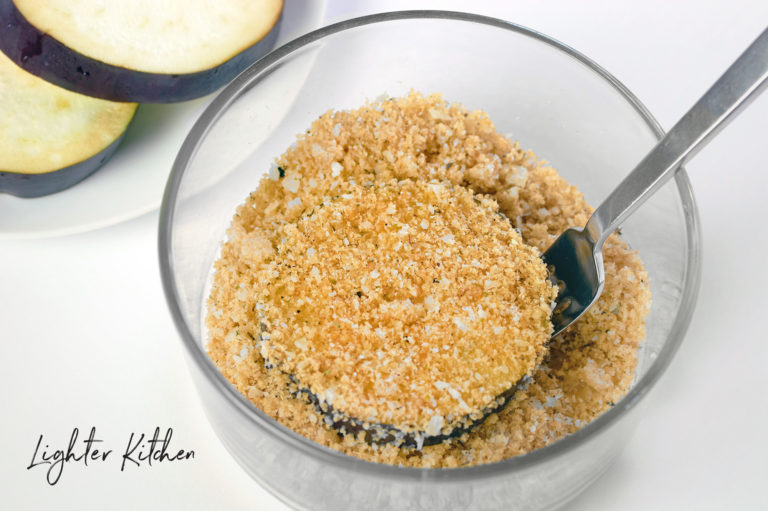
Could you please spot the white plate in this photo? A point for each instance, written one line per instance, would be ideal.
(131, 183)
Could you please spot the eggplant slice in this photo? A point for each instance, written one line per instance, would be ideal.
(379, 433)
(51, 138)
(397, 335)
(147, 51)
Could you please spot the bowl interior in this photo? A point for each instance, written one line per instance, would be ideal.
(553, 100)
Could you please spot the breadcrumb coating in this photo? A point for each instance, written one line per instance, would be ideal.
(405, 303)
(414, 145)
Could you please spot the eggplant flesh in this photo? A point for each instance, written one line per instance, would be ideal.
(162, 54)
(37, 185)
(51, 138)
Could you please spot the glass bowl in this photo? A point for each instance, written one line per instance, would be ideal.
(548, 96)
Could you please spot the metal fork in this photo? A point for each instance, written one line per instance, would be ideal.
(575, 259)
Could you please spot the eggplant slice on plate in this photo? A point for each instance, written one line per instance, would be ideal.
(51, 138)
(147, 51)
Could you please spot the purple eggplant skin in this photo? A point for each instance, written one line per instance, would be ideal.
(43, 56)
(37, 185)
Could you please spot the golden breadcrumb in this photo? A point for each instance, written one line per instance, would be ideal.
(408, 303)
(392, 162)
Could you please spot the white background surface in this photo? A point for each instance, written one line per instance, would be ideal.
(86, 339)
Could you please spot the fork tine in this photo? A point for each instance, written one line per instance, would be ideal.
(576, 268)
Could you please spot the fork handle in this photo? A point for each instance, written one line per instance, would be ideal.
(729, 96)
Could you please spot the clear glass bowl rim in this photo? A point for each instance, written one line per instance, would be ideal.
(280, 433)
